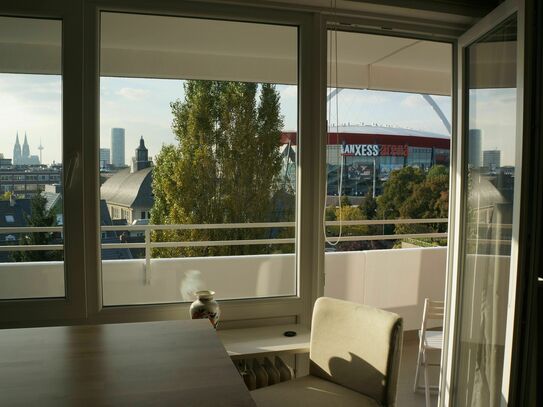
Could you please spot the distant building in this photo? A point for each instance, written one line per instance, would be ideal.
(105, 157)
(5, 162)
(22, 156)
(14, 213)
(369, 154)
(474, 148)
(117, 147)
(26, 181)
(128, 193)
(492, 159)
(141, 159)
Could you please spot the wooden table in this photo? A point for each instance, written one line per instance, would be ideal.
(180, 363)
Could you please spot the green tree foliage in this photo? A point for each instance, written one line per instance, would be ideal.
(225, 168)
(39, 217)
(6, 196)
(411, 194)
(369, 206)
(397, 189)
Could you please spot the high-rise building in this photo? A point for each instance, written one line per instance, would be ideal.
(117, 147)
(492, 159)
(105, 157)
(474, 148)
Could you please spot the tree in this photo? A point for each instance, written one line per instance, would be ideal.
(397, 189)
(6, 196)
(39, 217)
(225, 168)
(369, 206)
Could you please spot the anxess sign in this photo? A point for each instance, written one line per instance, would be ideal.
(375, 150)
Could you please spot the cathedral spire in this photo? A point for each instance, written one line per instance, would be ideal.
(26, 148)
(17, 151)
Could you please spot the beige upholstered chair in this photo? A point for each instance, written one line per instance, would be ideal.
(354, 360)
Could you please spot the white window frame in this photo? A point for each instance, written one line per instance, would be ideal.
(81, 150)
(456, 208)
(45, 311)
(297, 308)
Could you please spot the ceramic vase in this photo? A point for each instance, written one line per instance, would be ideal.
(205, 307)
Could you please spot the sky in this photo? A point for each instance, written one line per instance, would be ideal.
(32, 103)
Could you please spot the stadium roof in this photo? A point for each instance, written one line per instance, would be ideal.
(360, 134)
(386, 130)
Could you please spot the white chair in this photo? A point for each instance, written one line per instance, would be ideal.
(354, 360)
(429, 341)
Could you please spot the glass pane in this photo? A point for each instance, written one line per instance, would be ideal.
(198, 158)
(387, 161)
(489, 178)
(31, 260)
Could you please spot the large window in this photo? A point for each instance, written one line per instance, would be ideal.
(31, 214)
(387, 166)
(389, 132)
(197, 162)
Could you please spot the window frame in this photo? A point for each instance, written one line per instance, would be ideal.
(28, 312)
(81, 118)
(296, 307)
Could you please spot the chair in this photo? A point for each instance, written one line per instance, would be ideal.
(354, 358)
(428, 341)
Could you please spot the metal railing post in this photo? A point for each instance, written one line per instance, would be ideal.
(147, 255)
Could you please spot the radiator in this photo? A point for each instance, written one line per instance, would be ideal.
(262, 372)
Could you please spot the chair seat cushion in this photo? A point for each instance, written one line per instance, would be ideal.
(310, 391)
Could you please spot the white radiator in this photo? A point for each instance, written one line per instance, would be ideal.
(262, 372)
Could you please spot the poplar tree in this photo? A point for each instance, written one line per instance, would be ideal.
(224, 168)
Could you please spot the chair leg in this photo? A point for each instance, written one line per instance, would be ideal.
(426, 382)
(417, 373)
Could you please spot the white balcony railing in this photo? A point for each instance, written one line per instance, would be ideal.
(148, 245)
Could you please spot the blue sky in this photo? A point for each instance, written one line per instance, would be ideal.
(32, 103)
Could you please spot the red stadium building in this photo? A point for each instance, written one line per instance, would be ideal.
(370, 153)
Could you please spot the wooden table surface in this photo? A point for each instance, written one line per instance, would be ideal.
(179, 363)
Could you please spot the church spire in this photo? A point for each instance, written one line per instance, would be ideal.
(17, 151)
(26, 148)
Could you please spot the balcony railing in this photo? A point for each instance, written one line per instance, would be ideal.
(148, 244)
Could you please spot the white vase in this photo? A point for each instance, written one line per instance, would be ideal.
(205, 307)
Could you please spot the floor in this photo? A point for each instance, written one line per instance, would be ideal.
(406, 397)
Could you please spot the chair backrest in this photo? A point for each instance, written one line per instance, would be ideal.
(433, 310)
(358, 347)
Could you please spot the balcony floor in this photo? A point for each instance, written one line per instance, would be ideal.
(406, 397)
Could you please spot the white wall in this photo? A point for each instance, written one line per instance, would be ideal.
(397, 280)
(31, 280)
(175, 279)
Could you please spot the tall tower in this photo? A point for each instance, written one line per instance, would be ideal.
(41, 149)
(26, 149)
(474, 145)
(117, 147)
(17, 151)
(141, 159)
